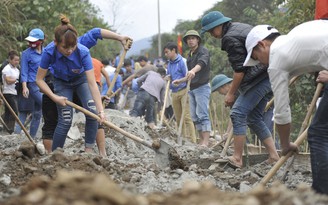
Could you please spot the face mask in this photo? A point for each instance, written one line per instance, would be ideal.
(34, 44)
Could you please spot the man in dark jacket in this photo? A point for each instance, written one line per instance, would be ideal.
(253, 84)
(198, 63)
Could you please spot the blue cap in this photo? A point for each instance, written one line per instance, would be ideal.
(218, 81)
(35, 35)
(213, 19)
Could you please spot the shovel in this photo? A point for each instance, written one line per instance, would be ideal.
(39, 147)
(117, 70)
(298, 141)
(4, 124)
(161, 148)
(165, 99)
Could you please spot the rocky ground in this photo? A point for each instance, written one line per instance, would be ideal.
(131, 175)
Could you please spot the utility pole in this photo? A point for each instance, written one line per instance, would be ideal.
(159, 31)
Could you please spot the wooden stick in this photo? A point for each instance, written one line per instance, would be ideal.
(311, 107)
(183, 113)
(17, 119)
(117, 71)
(298, 141)
(283, 159)
(226, 145)
(4, 124)
(165, 99)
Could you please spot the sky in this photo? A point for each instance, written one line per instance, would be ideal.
(139, 18)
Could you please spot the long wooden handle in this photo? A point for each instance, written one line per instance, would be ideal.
(283, 159)
(117, 71)
(17, 119)
(165, 99)
(311, 107)
(298, 141)
(109, 124)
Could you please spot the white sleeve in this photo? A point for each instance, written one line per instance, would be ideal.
(279, 83)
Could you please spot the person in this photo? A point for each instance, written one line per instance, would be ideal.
(127, 95)
(10, 76)
(89, 39)
(143, 61)
(222, 84)
(177, 69)
(117, 87)
(198, 64)
(29, 66)
(302, 50)
(71, 65)
(151, 90)
(100, 71)
(252, 82)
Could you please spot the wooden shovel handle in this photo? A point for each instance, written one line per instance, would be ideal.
(17, 119)
(283, 159)
(117, 71)
(298, 141)
(165, 99)
(109, 124)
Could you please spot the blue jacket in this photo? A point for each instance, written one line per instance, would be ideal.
(177, 69)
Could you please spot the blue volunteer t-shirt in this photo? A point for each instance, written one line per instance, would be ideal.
(66, 68)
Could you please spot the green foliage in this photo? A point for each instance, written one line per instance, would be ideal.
(18, 17)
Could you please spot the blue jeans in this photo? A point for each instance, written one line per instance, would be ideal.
(37, 111)
(35, 122)
(318, 143)
(249, 108)
(199, 104)
(144, 104)
(65, 114)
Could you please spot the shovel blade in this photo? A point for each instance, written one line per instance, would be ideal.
(162, 158)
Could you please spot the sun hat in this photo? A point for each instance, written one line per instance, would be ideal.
(213, 19)
(219, 80)
(258, 33)
(191, 33)
(35, 35)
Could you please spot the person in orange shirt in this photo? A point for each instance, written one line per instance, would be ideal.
(99, 70)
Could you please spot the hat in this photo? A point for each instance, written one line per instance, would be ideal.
(218, 81)
(258, 33)
(213, 19)
(35, 35)
(191, 33)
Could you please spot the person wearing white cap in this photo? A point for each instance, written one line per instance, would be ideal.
(251, 82)
(29, 67)
(303, 50)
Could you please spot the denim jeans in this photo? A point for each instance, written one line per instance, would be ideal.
(318, 143)
(65, 114)
(199, 104)
(249, 108)
(35, 122)
(37, 111)
(144, 104)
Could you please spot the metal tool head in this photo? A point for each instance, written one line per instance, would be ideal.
(162, 158)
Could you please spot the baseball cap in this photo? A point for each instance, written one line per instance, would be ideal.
(258, 33)
(35, 35)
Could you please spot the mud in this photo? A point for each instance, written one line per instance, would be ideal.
(130, 174)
